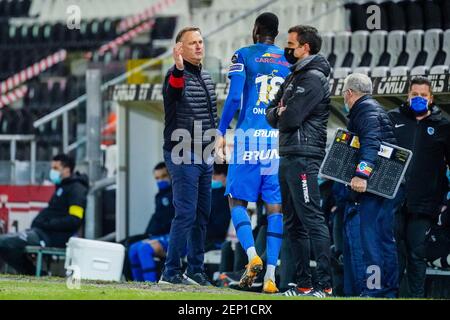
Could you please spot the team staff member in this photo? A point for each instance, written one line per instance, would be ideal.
(190, 107)
(54, 225)
(300, 111)
(369, 121)
(421, 128)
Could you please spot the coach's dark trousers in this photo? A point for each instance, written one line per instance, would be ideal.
(304, 219)
(191, 185)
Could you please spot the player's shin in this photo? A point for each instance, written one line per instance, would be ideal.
(274, 239)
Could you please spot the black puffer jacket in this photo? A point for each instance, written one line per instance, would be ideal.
(306, 96)
(65, 212)
(194, 103)
(370, 122)
(429, 140)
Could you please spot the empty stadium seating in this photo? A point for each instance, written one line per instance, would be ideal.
(380, 53)
(403, 15)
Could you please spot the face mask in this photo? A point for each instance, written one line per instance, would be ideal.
(346, 108)
(289, 55)
(55, 176)
(419, 105)
(163, 184)
(216, 184)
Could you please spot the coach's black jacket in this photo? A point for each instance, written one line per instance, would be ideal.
(429, 140)
(189, 97)
(306, 96)
(63, 217)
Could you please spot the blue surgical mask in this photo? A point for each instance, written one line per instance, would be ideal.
(216, 184)
(163, 184)
(419, 105)
(55, 176)
(346, 108)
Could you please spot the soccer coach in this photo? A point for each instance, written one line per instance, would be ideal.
(300, 111)
(190, 107)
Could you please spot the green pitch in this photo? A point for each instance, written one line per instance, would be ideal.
(31, 288)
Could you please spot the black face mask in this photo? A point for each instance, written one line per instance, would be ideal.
(289, 55)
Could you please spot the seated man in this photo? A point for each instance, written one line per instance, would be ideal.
(142, 253)
(55, 224)
(220, 217)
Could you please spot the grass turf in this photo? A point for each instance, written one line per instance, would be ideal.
(46, 288)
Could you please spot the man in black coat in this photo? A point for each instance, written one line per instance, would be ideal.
(300, 111)
(54, 225)
(190, 116)
(421, 128)
(375, 272)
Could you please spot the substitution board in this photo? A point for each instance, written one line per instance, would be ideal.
(341, 160)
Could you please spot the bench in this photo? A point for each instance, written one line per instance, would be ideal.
(40, 252)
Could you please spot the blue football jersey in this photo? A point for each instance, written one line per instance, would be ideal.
(264, 68)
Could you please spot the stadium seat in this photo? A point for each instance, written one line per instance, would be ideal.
(363, 70)
(399, 71)
(327, 47)
(395, 46)
(342, 49)
(432, 44)
(377, 46)
(442, 59)
(439, 70)
(419, 71)
(414, 15)
(380, 72)
(396, 15)
(340, 73)
(359, 46)
(432, 14)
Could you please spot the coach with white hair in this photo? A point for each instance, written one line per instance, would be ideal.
(370, 251)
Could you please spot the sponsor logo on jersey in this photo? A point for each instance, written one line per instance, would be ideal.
(272, 58)
(261, 155)
(272, 55)
(237, 67)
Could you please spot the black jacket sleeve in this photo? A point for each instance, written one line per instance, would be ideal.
(71, 220)
(308, 93)
(174, 85)
(272, 109)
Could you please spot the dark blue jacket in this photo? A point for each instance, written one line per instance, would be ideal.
(161, 220)
(190, 103)
(369, 121)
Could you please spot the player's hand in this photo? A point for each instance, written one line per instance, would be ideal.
(281, 110)
(220, 148)
(177, 55)
(358, 184)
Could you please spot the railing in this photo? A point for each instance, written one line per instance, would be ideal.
(63, 111)
(13, 140)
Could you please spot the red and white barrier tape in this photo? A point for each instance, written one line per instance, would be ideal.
(133, 21)
(130, 35)
(32, 71)
(13, 96)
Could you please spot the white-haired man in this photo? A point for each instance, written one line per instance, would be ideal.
(369, 254)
